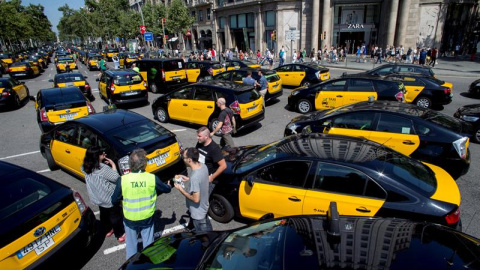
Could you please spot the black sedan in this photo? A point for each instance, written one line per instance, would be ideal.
(471, 114)
(13, 92)
(474, 89)
(39, 217)
(302, 174)
(315, 242)
(396, 68)
(413, 131)
(118, 133)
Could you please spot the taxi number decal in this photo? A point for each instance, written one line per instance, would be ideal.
(159, 160)
(40, 244)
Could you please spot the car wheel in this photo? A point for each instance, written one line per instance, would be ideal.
(18, 102)
(161, 114)
(424, 102)
(304, 106)
(154, 88)
(476, 137)
(213, 124)
(52, 165)
(220, 209)
(306, 83)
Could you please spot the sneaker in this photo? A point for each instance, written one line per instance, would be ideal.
(121, 239)
(110, 233)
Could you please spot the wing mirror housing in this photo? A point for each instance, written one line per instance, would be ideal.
(250, 181)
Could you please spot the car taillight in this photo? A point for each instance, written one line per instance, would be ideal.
(210, 71)
(400, 96)
(447, 91)
(91, 110)
(9, 70)
(163, 74)
(87, 86)
(453, 217)
(43, 115)
(460, 146)
(318, 75)
(112, 87)
(235, 106)
(5, 93)
(82, 206)
(27, 68)
(145, 83)
(123, 165)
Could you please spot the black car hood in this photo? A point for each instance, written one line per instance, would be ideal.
(470, 109)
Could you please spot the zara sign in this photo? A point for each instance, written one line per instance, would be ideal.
(355, 26)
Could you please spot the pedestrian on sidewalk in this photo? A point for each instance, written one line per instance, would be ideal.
(379, 55)
(294, 56)
(433, 57)
(116, 62)
(422, 58)
(357, 60)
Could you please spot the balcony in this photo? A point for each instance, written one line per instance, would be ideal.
(229, 3)
(193, 3)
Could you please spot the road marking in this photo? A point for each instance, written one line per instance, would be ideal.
(155, 235)
(19, 155)
(178, 130)
(42, 171)
(86, 73)
(50, 75)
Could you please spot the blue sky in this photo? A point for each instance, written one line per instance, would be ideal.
(51, 8)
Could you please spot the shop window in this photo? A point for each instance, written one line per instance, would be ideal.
(208, 14)
(242, 20)
(200, 15)
(270, 18)
(194, 15)
(250, 20)
(233, 21)
(222, 23)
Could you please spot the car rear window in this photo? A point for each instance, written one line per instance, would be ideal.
(272, 78)
(247, 96)
(19, 194)
(139, 132)
(18, 64)
(173, 65)
(66, 97)
(127, 79)
(70, 78)
(443, 120)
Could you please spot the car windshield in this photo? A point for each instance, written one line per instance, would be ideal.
(443, 120)
(260, 155)
(127, 79)
(245, 248)
(20, 194)
(139, 132)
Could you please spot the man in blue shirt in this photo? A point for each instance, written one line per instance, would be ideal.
(263, 85)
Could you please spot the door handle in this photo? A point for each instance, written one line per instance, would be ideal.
(68, 151)
(286, 74)
(363, 210)
(294, 199)
(408, 142)
(339, 96)
(209, 107)
(416, 90)
(185, 104)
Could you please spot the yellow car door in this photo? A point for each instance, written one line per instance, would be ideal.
(298, 74)
(64, 147)
(351, 124)
(396, 132)
(284, 73)
(330, 95)
(202, 105)
(20, 89)
(193, 71)
(180, 104)
(353, 191)
(359, 90)
(413, 88)
(276, 188)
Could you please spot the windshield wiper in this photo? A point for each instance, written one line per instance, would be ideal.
(124, 139)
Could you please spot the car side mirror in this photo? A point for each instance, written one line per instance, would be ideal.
(97, 79)
(250, 181)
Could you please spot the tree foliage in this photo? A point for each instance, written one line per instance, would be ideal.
(179, 20)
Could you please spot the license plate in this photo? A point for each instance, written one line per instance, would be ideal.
(21, 74)
(251, 108)
(40, 244)
(69, 116)
(130, 93)
(69, 84)
(158, 160)
(175, 77)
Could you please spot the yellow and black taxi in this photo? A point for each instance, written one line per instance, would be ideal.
(421, 133)
(36, 61)
(117, 132)
(58, 105)
(164, 74)
(236, 64)
(122, 86)
(274, 82)
(23, 69)
(7, 58)
(470, 114)
(303, 173)
(109, 53)
(3, 67)
(93, 61)
(302, 74)
(45, 57)
(63, 62)
(61, 55)
(73, 79)
(39, 218)
(13, 92)
(396, 68)
(425, 91)
(315, 242)
(126, 59)
(195, 104)
(198, 70)
(335, 93)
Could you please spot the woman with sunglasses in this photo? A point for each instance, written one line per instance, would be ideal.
(101, 177)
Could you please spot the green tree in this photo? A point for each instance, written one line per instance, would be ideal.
(153, 14)
(179, 19)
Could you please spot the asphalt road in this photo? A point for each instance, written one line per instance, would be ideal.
(20, 145)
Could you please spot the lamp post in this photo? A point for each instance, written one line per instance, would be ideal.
(143, 21)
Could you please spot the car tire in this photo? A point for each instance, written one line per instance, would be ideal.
(212, 124)
(304, 106)
(154, 88)
(18, 102)
(220, 209)
(162, 114)
(52, 165)
(423, 102)
(476, 136)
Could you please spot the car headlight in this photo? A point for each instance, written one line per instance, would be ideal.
(478, 84)
(295, 93)
(469, 118)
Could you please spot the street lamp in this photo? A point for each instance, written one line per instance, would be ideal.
(143, 21)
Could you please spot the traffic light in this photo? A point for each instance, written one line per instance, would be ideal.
(324, 34)
(163, 21)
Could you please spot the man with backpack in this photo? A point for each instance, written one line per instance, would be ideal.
(226, 123)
